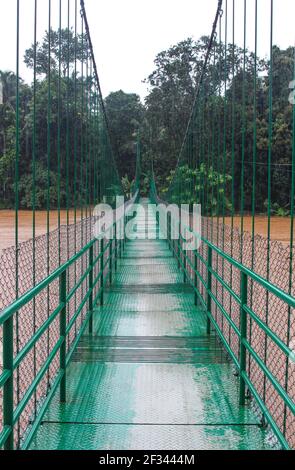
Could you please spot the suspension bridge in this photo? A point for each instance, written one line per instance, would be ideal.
(117, 343)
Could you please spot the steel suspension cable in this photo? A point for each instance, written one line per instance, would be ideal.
(291, 283)
(243, 133)
(269, 178)
(254, 168)
(102, 105)
(59, 133)
(34, 187)
(224, 140)
(48, 173)
(201, 79)
(16, 186)
(68, 131)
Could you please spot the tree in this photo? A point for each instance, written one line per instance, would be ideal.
(64, 49)
(173, 86)
(125, 113)
(161, 124)
(8, 82)
(26, 188)
(7, 132)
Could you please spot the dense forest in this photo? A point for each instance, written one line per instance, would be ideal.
(160, 123)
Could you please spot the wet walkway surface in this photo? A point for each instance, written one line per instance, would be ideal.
(149, 377)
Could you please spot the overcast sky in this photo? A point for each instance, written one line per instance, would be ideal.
(127, 34)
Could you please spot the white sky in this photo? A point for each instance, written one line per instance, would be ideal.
(127, 34)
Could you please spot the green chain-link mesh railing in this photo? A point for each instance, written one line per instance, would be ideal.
(245, 282)
(50, 283)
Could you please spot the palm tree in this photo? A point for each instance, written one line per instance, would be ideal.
(7, 87)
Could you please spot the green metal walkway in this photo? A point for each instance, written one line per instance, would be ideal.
(149, 377)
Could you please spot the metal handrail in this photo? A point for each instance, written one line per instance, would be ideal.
(11, 414)
(245, 313)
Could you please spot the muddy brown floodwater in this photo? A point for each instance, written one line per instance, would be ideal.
(25, 220)
(280, 226)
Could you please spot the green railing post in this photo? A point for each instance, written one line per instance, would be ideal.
(196, 277)
(102, 271)
(8, 386)
(185, 267)
(243, 327)
(116, 248)
(120, 239)
(90, 302)
(184, 263)
(171, 239)
(179, 247)
(168, 230)
(125, 237)
(179, 253)
(111, 261)
(62, 332)
(209, 287)
(157, 225)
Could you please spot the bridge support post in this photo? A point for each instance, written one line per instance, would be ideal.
(243, 323)
(116, 248)
(122, 235)
(62, 332)
(209, 288)
(120, 240)
(102, 271)
(171, 242)
(196, 277)
(8, 386)
(125, 238)
(179, 247)
(90, 302)
(185, 258)
(111, 261)
(169, 231)
(184, 266)
(157, 226)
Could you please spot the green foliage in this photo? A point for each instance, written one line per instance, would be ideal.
(65, 112)
(128, 186)
(26, 188)
(191, 189)
(7, 177)
(276, 210)
(125, 113)
(7, 133)
(162, 124)
(145, 185)
(172, 84)
(64, 55)
(172, 91)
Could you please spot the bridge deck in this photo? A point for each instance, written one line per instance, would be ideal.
(149, 377)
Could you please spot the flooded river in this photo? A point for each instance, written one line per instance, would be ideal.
(280, 226)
